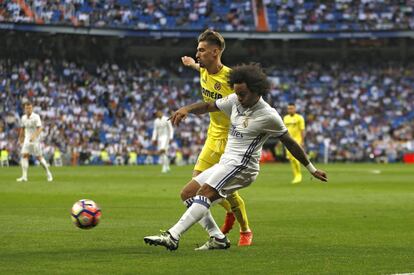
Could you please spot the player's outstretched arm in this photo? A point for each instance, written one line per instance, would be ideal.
(300, 155)
(190, 62)
(198, 108)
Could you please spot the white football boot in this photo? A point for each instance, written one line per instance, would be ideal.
(215, 243)
(165, 239)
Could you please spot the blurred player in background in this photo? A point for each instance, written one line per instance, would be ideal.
(296, 127)
(29, 138)
(214, 85)
(162, 135)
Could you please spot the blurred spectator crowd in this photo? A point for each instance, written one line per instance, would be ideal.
(282, 15)
(105, 114)
(340, 15)
(137, 14)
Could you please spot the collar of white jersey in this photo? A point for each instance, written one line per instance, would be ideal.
(250, 110)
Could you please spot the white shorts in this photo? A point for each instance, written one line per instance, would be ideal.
(163, 143)
(226, 179)
(32, 148)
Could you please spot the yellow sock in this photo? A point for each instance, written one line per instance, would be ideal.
(297, 175)
(298, 168)
(239, 210)
(294, 167)
(226, 205)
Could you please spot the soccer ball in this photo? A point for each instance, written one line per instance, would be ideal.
(86, 214)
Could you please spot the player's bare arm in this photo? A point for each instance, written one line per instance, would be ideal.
(190, 62)
(36, 134)
(198, 108)
(21, 135)
(297, 151)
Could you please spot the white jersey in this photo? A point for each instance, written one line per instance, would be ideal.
(162, 129)
(30, 125)
(249, 129)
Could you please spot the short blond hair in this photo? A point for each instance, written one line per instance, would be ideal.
(212, 38)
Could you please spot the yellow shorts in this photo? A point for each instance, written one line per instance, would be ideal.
(211, 153)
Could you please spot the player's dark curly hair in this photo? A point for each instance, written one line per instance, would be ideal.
(251, 74)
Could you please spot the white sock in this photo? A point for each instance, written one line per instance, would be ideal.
(166, 162)
(207, 222)
(210, 225)
(44, 164)
(25, 167)
(194, 213)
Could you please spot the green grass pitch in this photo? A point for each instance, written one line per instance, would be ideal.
(361, 222)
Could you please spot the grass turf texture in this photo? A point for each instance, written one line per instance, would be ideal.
(361, 222)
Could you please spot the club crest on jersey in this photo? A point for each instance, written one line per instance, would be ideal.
(246, 122)
(217, 86)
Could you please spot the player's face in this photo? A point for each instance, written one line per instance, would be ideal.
(291, 109)
(28, 109)
(158, 114)
(206, 54)
(244, 95)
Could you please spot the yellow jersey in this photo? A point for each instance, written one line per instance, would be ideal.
(213, 87)
(295, 125)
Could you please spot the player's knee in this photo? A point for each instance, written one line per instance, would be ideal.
(189, 191)
(185, 194)
(209, 192)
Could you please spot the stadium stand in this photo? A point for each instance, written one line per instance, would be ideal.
(367, 112)
(223, 15)
(168, 15)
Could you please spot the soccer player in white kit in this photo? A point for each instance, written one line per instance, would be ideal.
(161, 136)
(252, 122)
(29, 137)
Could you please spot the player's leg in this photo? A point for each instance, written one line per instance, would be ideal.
(298, 171)
(38, 153)
(163, 159)
(45, 166)
(239, 210)
(207, 159)
(24, 162)
(187, 195)
(199, 212)
(163, 145)
(196, 212)
(227, 180)
(295, 164)
(198, 209)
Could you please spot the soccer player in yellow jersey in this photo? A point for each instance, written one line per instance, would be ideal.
(214, 85)
(296, 127)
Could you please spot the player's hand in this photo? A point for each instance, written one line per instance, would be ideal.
(31, 139)
(154, 142)
(188, 61)
(178, 116)
(320, 175)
